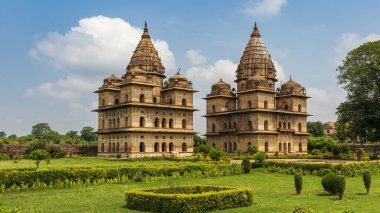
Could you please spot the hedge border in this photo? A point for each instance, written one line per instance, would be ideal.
(149, 199)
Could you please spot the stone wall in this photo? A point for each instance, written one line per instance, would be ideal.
(70, 149)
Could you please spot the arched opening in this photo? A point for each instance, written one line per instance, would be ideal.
(155, 100)
(125, 147)
(249, 104)
(171, 147)
(289, 126)
(116, 101)
(163, 123)
(126, 121)
(213, 108)
(280, 147)
(265, 125)
(284, 125)
(142, 147)
(225, 126)
(156, 147)
(156, 122)
(289, 147)
(171, 123)
(265, 104)
(226, 107)
(230, 147)
(102, 124)
(300, 147)
(213, 128)
(184, 102)
(284, 147)
(142, 122)
(225, 147)
(126, 97)
(113, 147)
(109, 147)
(170, 101)
(299, 127)
(102, 148)
(163, 147)
(266, 147)
(299, 108)
(214, 145)
(286, 107)
(118, 122)
(234, 125)
(103, 102)
(142, 98)
(117, 147)
(184, 147)
(279, 125)
(184, 124)
(235, 147)
(229, 125)
(250, 125)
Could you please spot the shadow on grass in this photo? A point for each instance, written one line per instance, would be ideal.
(324, 194)
(359, 193)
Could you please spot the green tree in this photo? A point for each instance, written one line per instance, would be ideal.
(40, 129)
(359, 75)
(315, 128)
(72, 134)
(205, 149)
(3, 134)
(87, 134)
(199, 140)
(52, 137)
(38, 155)
(216, 154)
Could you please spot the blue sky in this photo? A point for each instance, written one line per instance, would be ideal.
(53, 54)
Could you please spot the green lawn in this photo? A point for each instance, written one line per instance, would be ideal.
(272, 193)
(76, 162)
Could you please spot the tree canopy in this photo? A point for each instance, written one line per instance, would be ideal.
(40, 129)
(359, 75)
(315, 128)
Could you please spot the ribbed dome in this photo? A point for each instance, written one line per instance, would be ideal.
(178, 77)
(330, 125)
(111, 81)
(256, 59)
(180, 81)
(292, 88)
(145, 55)
(221, 88)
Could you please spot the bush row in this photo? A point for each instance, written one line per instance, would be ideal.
(321, 169)
(187, 198)
(52, 176)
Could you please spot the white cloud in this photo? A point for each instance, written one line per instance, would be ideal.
(99, 45)
(195, 58)
(349, 41)
(281, 76)
(264, 7)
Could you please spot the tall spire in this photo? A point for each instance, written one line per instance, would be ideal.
(255, 31)
(146, 33)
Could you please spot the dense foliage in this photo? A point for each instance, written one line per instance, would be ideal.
(191, 198)
(38, 155)
(340, 185)
(315, 128)
(359, 116)
(367, 180)
(329, 183)
(246, 165)
(298, 182)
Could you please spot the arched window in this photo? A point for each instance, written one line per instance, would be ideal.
(103, 102)
(126, 121)
(171, 147)
(250, 125)
(184, 102)
(229, 125)
(266, 147)
(235, 147)
(225, 126)
(154, 99)
(230, 147)
(213, 128)
(102, 148)
(235, 125)
(109, 147)
(213, 108)
(126, 97)
(289, 126)
(142, 121)
(142, 147)
(171, 101)
(163, 147)
(265, 104)
(214, 145)
(156, 122)
(299, 127)
(102, 124)
(156, 147)
(118, 122)
(300, 147)
(184, 124)
(225, 147)
(286, 107)
(113, 147)
(184, 147)
(289, 147)
(249, 104)
(226, 107)
(279, 147)
(171, 123)
(125, 147)
(142, 98)
(116, 101)
(279, 125)
(284, 125)
(265, 125)
(299, 108)
(117, 147)
(163, 123)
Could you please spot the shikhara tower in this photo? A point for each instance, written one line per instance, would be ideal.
(274, 120)
(139, 115)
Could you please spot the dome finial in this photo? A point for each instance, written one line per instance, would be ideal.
(255, 31)
(220, 79)
(291, 78)
(145, 26)
(146, 33)
(179, 69)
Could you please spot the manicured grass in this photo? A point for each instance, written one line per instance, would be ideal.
(75, 162)
(271, 193)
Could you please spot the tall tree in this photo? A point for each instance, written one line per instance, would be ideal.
(87, 134)
(315, 128)
(40, 129)
(359, 75)
(3, 134)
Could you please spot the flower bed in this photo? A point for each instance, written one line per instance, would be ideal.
(191, 198)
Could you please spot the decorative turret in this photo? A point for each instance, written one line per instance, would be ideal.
(180, 81)
(292, 88)
(255, 59)
(111, 81)
(221, 88)
(145, 55)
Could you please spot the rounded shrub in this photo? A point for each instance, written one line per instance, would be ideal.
(367, 180)
(190, 198)
(259, 160)
(329, 183)
(298, 183)
(246, 165)
(340, 185)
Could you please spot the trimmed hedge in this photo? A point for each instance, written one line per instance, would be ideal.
(321, 169)
(50, 176)
(191, 198)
